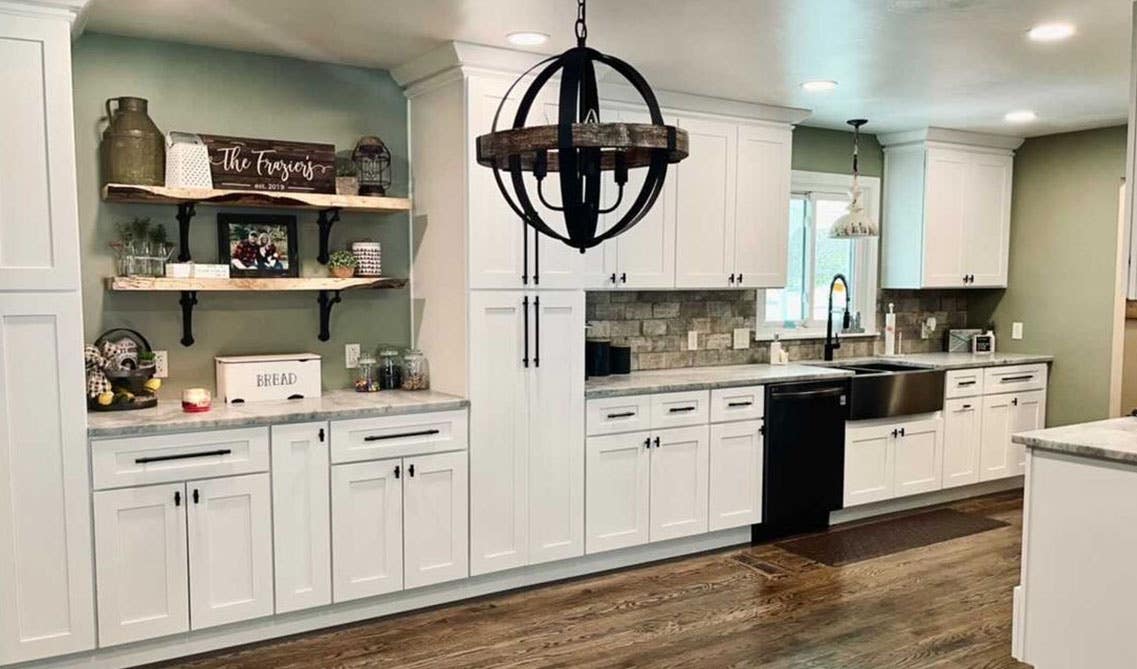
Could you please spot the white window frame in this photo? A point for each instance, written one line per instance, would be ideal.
(867, 258)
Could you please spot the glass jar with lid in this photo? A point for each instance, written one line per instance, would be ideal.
(415, 371)
(367, 375)
(390, 368)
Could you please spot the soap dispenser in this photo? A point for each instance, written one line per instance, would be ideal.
(890, 331)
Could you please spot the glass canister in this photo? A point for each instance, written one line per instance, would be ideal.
(367, 376)
(390, 368)
(416, 371)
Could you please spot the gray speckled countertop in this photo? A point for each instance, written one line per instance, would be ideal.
(168, 416)
(1113, 440)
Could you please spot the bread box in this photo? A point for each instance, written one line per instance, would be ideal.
(258, 378)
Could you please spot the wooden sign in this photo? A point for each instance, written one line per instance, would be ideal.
(241, 163)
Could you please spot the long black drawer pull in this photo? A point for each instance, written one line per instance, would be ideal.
(182, 456)
(537, 332)
(965, 383)
(622, 414)
(680, 409)
(420, 433)
(739, 404)
(1008, 379)
(525, 326)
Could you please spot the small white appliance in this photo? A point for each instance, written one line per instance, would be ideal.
(258, 378)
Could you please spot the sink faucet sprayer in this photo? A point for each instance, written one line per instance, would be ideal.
(832, 340)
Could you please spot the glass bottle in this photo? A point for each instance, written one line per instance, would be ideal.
(367, 376)
(416, 371)
(390, 368)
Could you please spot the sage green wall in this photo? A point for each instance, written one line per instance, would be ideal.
(1062, 265)
(824, 150)
(216, 91)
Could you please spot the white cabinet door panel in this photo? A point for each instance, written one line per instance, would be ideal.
(435, 506)
(617, 491)
(705, 205)
(140, 553)
(944, 213)
(995, 459)
(1028, 412)
(762, 206)
(230, 549)
(963, 433)
(367, 529)
(987, 219)
(499, 450)
(735, 495)
(679, 481)
(918, 462)
(302, 549)
(869, 464)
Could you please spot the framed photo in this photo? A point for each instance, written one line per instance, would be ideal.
(258, 245)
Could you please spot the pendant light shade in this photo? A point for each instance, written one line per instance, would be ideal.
(855, 222)
(578, 151)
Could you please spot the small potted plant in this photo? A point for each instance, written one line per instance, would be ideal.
(342, 264)
(347, 177)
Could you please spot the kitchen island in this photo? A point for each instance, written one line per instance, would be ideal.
(1076, 602)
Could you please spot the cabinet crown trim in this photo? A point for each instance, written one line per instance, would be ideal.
(949, 136)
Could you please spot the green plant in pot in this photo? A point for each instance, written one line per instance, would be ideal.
(342, 264)
(347, 176)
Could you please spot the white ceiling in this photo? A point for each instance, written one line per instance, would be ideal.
(903, 64)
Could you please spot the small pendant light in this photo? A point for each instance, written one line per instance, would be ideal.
(855, 222)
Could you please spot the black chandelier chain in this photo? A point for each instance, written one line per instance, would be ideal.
(581, 26)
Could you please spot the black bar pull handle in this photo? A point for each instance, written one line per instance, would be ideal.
(895, 433)
(177, 498)
(196, 497)
(647, 442)
(965, 383)
(622, 414)
(657, 442)
(321, 433)
(680, 409)
(182, 456)
(1011, 379)
(411, 470)
(902, 432)
(739, 404)
(525, 310)
(396, 471)
(965, 407)
(623, 277)
(524, 253)
(1015, 401)
(400, 435)
(537, 331)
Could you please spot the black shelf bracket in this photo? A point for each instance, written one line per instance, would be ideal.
(326, 300)
(186, 212)
(324, 222)
(188, 301)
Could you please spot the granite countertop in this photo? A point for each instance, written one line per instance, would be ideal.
(335, 404)
(701, 378)
(1113, 440)
(942, 360)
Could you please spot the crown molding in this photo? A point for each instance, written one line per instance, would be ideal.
(72, 11)
(949, 136)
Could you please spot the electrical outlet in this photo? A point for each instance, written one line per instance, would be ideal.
(741, 338)
(351, 356)
(692, 340)
(161, 364)
(1016, 330)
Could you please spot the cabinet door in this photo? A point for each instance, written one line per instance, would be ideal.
(556, 430)
(301, 529)
(869, 464)
(39, 230)
(435, 503)
(367, 529)
(735, 495)
(944, 213)
(919, 457)
(995, 461)
(140, 558)
(704, 230)
(616, 491)
(499, 449)
(963, 431)
(762, 206)
(679, 482)
(230, 549)
(987, 219)
(47, 604)
(643, 257)
(1028, 411)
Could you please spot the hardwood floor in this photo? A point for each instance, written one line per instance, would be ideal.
(943, 605)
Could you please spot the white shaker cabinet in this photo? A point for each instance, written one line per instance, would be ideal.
(886, 458)
(618, 491)
(762, 206)
(367, 529)
(869, 463)
(435, 504)
(302, 550)
(679, 478)
(919, 457)
(947, 209)
(705, 204)
(736, 465)
(963, 432)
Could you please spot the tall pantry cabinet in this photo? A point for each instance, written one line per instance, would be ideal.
(46, 583)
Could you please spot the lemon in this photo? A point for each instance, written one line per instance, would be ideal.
(153, 385)
(105, 399)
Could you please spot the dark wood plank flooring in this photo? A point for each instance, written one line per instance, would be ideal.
(942, 605)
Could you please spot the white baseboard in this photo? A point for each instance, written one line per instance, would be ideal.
(261, 629)
(927, 499)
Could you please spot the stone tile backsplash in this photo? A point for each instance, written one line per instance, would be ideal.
(655, 325)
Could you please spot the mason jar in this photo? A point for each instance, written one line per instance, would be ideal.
(415, 371)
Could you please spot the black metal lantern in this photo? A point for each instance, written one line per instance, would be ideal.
(373, 163)
(579, 148)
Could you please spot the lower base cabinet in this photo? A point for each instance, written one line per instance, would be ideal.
(736, 466)
(963, 432)
(301, 520)
(399, 523)
(886, 459)
(1004, 415)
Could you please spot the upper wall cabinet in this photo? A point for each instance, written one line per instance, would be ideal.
(947, 209)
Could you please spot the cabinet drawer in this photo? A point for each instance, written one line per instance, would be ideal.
(612, 415)
(117, 463)
(745, 403)
(1014, 379)
(396, 436)
(963, 383)
(680, 409)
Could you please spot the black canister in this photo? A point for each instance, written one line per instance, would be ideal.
(621, 359)
(598, 360)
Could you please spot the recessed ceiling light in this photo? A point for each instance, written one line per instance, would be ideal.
(819, 85)
(1020, 116)
(527, 38)
(1051, 32)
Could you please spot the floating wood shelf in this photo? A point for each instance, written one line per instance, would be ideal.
(253, 198)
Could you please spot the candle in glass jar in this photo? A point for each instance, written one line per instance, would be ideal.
(195, 400)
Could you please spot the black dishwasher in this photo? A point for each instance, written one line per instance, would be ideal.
(803, 477)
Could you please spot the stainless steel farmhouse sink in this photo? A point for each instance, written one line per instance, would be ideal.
(884, 389)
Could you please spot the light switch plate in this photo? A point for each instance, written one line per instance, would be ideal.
(692, 340)
(741, 338)
(351, 356)
(1016, 330)
(161, 364)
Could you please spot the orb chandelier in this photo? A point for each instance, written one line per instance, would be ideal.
(579, 148)
(855, 222)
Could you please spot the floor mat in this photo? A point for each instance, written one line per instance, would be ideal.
(864, 542)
